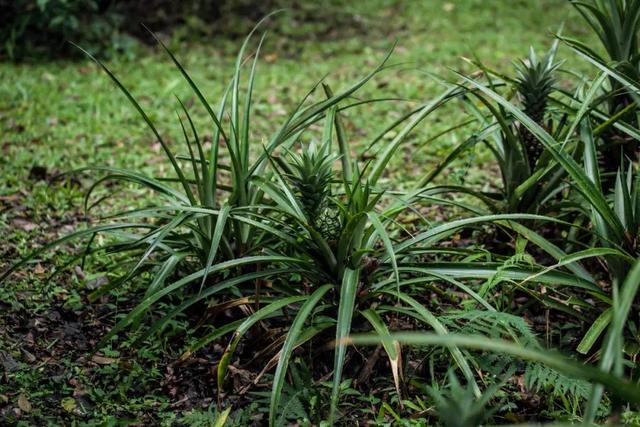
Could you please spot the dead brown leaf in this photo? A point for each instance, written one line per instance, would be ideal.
(102, 360)
(24, 224)
(23, 403)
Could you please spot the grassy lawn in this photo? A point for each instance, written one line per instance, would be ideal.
(61, 115)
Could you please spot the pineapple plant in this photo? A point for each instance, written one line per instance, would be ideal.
(617, 25)
(534, 83)
(310, 174)
(526, 184)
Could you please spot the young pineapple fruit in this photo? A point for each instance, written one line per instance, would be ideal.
(534, 82)
(310, 175)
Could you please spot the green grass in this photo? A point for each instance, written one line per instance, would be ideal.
(71, 114)
(63, 115)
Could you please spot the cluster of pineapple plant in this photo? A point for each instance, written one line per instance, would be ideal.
(279, 218)
(304, 241)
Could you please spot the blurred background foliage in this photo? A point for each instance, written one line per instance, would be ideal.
(42, 29)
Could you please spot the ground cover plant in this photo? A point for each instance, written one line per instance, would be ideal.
(342, 258)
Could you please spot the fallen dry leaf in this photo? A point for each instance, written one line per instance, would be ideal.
(24, 224)
(448, 7)
(270, 58)
(28, 356)
(23, 403)
(101, 360)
